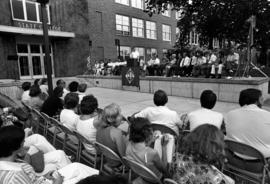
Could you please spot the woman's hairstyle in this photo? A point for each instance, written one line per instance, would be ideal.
(73, 86)
(26, 86)
(11, 138)
(88, 105)
(98, 179)
(58, 91)
(82, 87)
(205, 144)
(110, 113)
(71, 100)
(34, 91)
(140, 130)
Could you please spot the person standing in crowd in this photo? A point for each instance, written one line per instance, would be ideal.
(68, 115)
(26, 90)
(135, 55)
(184, 64)
(35, 101)
(205, 115)
(81, 91)
(73, 87)
(200, 158)
(62, 83)
(161, 114)
(54, 104)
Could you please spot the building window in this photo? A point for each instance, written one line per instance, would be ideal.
(122, 25)
(32, 60)
(137, 28)
(124, 52)
(150, 52)
(124, 2)
(151, 30)
(166, 32)
(137, 4)
(141, 52)
(30, 11)
(193, 38)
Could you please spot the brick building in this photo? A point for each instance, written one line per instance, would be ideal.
(21, 35)
(125, 20)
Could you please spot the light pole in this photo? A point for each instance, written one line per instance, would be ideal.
(48, 65)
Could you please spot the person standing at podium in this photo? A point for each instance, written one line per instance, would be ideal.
(135, 55)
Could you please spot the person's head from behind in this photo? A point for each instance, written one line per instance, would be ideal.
(160, 98)
(58, 91)
(26, 86)
(140, 130)
(208, 99)
(89, 105)
(44, 81)
(111, 115)
(82, 87)
(11, 140)
(34, 91)
(73, 86)
(71, 100)
(36, 82)
(251, 96)
(61, 83)
(104, 179)
(205, 144)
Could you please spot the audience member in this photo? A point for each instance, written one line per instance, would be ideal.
(205, 115)
(44, 86)
(86, 124)
(62, 83)
(73, 87)
(54, 104)
(161, 114)
(68, 115)
(109, 135)
(35, 101)
(37, 82)
(103, 179)
(250, 124)
(81, 91)
(26, 90)
(202, 152)
(141, 136)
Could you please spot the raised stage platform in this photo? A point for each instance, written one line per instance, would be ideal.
(227, 90)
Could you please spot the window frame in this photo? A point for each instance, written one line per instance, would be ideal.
(137, 27)
(151, 30)
(165, 34)
(122, 32)
(136, 4)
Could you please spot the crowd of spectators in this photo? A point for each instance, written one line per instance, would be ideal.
(196, 157)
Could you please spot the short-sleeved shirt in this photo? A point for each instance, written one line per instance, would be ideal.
(69, 118)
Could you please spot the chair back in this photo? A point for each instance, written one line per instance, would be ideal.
(82, 138)
(142, 171)
(163, 129)
(169, 181)
(107, 152)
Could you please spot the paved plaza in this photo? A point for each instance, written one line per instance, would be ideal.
(131, 102)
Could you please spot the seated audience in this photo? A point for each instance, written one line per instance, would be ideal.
(86, 124)
(250, 124)
(62, 83)
(140, 137)
(35, 101)
(81, 91)
(68, 115)
(44, 86)
(37, 82)
(109, 135)
(73, 87)
(13, 170)
(54, 104)
(161, 114)
(205, 115)
(26, 90)
(202, 152)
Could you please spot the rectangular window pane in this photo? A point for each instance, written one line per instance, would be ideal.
(137, 3)
(35, 48)
(24, 66)
(17, 7)
(31, 11)
(166, 33)
(137, 28)
(122, 25)
(36, 65)
(151, 32)
(125, 2)
(22, 48)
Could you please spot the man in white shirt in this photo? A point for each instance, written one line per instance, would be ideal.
(205, 115)
(153, 65)
(161, 114)
(185, 64)
(250, 124)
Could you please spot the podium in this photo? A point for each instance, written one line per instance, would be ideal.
(133, 62)
(131, 73)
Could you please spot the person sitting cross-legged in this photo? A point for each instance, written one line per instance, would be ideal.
(161, 114)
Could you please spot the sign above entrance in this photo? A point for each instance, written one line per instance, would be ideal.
(30, 25)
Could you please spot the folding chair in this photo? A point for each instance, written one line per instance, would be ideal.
(41, 122)
(163, 129)
(47, 120)
(245, 169)
(55, 131)
(142, 171)
(169, 181)
(83, 156)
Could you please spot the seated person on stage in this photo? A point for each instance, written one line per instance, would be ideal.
(231, 62)
(172, 66)
(216, 64)
(87, 124)
(193, 61)
(153, 65)
(205, 65)
(162, 68)
(197, 68)
(54, 104)
(81, 91)
(26, 90)
(250, 124)
(205, 115)
(142, 65)
(161, 114)
(68, 115)
(185, 64)
(200, 158)
(109, 134)
(138, 149)
(14, 170)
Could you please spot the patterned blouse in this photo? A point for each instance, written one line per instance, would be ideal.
(185, 171)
